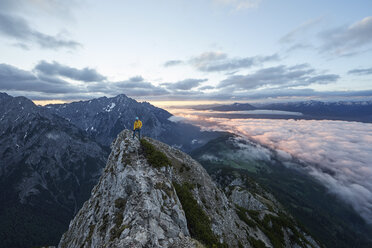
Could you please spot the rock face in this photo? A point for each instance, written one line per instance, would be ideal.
(133, 204)
(47, 170)
(153, 195)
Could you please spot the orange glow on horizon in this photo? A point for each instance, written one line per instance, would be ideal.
(177, 104)
(46, 102)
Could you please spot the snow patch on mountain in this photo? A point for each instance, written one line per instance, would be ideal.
(110, 107)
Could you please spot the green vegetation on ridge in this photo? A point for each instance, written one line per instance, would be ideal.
(198, 222)
(155, 158)
(327, 218)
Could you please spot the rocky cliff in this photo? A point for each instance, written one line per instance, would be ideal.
(153, 195)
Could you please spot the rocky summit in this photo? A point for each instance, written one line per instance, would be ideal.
(153, 195)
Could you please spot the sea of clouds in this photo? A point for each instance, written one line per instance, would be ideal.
(338, 153)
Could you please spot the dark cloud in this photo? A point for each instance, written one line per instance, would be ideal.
(279, 76)
(207, 87)
(217, 61)
(136, 79)
(208, 57)
(366, 71)
(12, 78)
(19, 29)
(56, 69)
(186, 84)
(134, 86)
(172, 63)
(323, 79)
(38, 85)
(44, 86)
(346, 39)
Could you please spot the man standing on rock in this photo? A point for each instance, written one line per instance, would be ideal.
(137, 128)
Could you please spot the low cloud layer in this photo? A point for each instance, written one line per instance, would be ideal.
(337, 153)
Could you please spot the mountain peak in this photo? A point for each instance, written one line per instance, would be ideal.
(153, 195)
(120, 96)
(133, 205)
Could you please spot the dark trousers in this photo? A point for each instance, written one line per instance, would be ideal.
(139, 133)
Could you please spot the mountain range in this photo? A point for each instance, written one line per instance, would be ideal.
(103, 118)
(50, 160)
(311, 110)
(47, 168)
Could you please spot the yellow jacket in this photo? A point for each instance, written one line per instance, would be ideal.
(137, 125)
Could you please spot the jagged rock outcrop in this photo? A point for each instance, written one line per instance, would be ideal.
(153, 195)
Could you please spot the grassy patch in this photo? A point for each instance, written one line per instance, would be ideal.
(271, 226)
(241, 212)
(256, 243)
(197, 221)
(120, 203)
(155, 158)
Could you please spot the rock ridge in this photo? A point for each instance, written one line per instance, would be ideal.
(137, 204)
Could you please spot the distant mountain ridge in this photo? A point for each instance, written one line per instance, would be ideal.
(234, 107)
(341, 110)
(103, 118)
(47, 169)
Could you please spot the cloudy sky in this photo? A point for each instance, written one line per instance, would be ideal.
(169, 50)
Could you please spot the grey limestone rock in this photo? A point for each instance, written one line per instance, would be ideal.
(136, 204)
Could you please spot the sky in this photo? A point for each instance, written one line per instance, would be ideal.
(195, 51)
